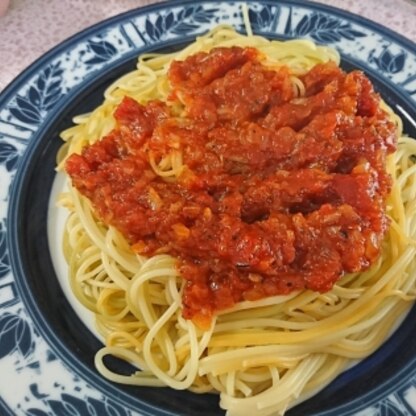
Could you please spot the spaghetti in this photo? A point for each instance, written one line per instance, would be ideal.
(262, 356)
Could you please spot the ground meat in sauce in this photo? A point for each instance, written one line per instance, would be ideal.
(278, 193)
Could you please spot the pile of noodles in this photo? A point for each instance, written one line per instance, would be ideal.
(262, 357)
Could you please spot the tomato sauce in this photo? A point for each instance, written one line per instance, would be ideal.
(277, 192)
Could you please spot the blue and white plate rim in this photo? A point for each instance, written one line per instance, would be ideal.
(393, 60)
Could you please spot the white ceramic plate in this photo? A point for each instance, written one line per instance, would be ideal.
(46, 352)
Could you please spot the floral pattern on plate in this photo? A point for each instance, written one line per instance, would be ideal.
(33, 98)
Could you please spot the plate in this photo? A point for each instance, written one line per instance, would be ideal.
(46, 352)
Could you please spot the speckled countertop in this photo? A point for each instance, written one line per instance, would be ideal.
(29, 28)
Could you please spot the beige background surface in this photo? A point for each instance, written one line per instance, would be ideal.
(32, 27)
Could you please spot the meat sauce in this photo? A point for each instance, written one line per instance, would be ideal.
(277, 192)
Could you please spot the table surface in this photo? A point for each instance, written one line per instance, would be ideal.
(30, 28)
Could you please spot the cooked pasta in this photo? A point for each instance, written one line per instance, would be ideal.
(261, 356)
